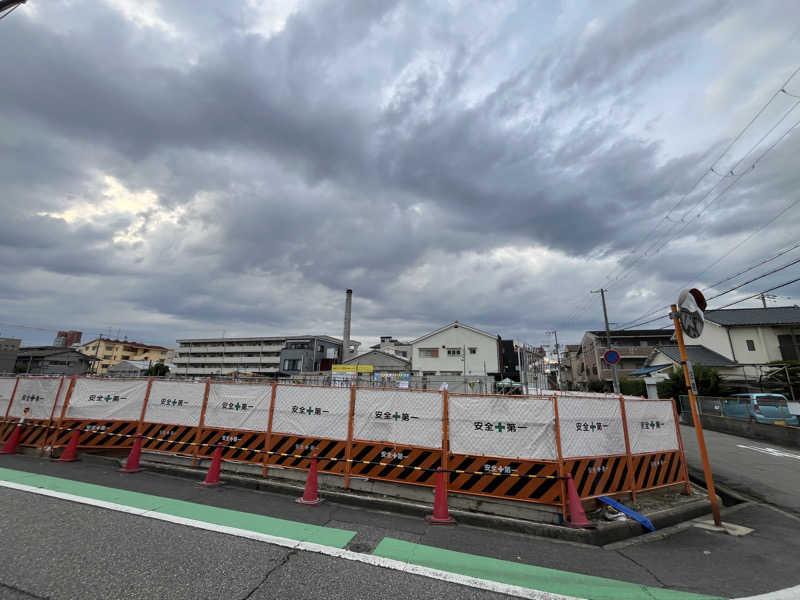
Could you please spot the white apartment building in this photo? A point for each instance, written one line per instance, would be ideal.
(456, 349)
(203, 357)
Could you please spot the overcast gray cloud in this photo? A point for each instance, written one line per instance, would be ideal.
(185, 168)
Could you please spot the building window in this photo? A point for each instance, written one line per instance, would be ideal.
(402, 353)
(291, 364)
(429, 353)
(454, 352)
(473, 350)
(126, 357)
(751, 345)
(428, 373)
(106, 356)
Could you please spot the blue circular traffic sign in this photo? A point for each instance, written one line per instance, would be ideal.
(611, 357)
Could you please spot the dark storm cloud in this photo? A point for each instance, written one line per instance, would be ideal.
(361, 146)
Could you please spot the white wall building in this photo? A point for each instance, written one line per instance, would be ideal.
(456, 349)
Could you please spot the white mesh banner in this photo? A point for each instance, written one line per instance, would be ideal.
(312, 411)
(37, 395)
(399, 417)
(651, 426)
(107, 399)
(238, 406)
(590, 426)
(6, 389)
(509, 427)
(175, 403)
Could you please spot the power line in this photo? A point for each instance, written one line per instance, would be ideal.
(668, 235)
(767, 274)
(781, 89)
(758, 294)
(763, 262)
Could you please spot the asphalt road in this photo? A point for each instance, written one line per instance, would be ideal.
(59, 550)
(757, 469)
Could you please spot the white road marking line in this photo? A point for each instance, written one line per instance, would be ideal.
(770, 451)
(792, 593)
(376, 561)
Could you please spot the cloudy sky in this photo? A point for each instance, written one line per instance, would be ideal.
(184, 168)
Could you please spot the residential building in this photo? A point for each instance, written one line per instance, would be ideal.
(66, 339)
(532, 358)
(633, 345)
(203, 357)
(382, 362)
(311, 353)
(456, 349)
(110, 352)
(739, 343)
(9, 349)
(753, 336)
(52, 360)
(570, 360)
(129, 368)
(389, 344)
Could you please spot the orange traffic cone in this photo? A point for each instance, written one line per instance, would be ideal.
(10, 447)
(70, 454)
(310, 494)
(212, 477)
(132, 464)
(577, 516)
(441, 515)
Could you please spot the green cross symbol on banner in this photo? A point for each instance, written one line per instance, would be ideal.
(238, 406)
(108, 398)
(652, 425)
(174, 402)
(396, 416)
(500, 427)
(310, 410)
(592, 427)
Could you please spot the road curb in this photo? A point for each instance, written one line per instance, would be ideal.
(606, 533)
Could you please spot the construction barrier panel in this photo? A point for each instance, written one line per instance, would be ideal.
(590, 426)
(504, 447)
(310, 420)
(401, 429)
(651, 425)
(513, 447)
(172, 416)
(34, 400)
(236, 415)
(7, 387)
(107, 412)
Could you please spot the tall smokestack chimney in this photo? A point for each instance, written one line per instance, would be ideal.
(348, 306)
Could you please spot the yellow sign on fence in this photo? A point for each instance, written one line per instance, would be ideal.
(353, 368)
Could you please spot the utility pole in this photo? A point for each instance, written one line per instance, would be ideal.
(558, 357)
(602, 293)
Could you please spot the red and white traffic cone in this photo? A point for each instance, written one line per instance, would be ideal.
(132, 464)
(577, 516)
(310, 494)
(10, 447)
(441, 515)
(70, 453)
(212, 477)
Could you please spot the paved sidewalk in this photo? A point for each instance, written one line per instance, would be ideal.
(684, 559)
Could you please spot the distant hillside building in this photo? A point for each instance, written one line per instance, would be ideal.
(111, 352)
(633, 345)
(52, 360)
(66, 339)
(202, 357)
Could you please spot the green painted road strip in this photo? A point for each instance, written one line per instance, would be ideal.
(526, 576)
(293, 530)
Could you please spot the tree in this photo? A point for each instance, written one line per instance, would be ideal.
(595, 385)
(157, 370)
(632, 387)
(708, 382)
